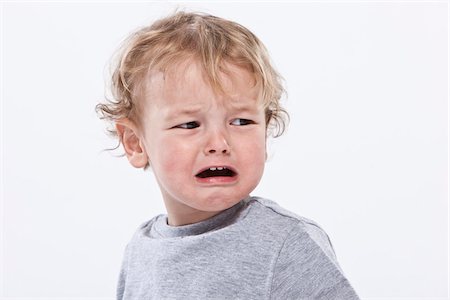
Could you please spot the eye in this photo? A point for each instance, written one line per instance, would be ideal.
(188, 125)
(241, 122)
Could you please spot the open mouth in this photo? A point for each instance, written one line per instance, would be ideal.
(216, 172)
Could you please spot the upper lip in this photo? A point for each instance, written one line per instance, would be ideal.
(217, 166)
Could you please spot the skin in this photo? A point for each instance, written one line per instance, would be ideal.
(226, 129)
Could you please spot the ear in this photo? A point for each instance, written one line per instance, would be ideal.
(132, 143)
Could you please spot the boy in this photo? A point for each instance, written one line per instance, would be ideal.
(195, 99)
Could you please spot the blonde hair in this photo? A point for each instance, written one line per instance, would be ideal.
(209, 39)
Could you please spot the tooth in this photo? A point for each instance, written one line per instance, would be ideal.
(212, 169)
(219, 168)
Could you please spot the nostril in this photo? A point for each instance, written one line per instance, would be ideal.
(212, 151)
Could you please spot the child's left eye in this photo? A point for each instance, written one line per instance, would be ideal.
(241, 122)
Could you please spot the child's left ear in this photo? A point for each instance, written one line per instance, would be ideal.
(132, 143)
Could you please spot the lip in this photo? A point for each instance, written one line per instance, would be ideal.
(218, 180)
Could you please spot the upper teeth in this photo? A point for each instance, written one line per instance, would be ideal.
(218, 168)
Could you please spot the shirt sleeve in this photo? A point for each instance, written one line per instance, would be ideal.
(307, 268)
(122, 275)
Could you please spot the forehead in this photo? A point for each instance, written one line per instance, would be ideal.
(187, 84)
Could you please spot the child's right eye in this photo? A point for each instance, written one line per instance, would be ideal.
(188, 125)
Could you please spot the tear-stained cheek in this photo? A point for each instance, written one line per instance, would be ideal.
(254, 146)
(173, 160)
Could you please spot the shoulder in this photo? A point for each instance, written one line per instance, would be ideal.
(140, 232)
(306, 266)
(294, 225)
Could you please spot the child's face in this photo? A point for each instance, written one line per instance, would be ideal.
(188, 128)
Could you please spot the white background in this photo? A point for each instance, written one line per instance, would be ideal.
(366, 153)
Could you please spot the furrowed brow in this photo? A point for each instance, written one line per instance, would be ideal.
(245, 108)
(185, 111)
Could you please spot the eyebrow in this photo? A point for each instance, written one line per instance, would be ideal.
(187, 111)
(175, 113)
(183, 111)
(245, 108)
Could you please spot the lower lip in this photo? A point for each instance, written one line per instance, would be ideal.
(217, 179)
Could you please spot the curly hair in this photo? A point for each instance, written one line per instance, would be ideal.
(211, 40)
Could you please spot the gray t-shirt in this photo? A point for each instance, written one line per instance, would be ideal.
(253, 250)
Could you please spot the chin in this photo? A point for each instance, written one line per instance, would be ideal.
(222, 203)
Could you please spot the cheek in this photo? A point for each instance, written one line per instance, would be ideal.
(169, 157)
(254, 149)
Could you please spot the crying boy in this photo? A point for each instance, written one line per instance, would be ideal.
(195, 99)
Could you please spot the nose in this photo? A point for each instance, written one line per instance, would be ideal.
(217, 143)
